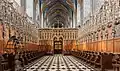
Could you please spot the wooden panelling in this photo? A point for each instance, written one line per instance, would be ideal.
(112, 45)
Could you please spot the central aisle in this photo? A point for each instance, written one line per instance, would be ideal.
(58, 63)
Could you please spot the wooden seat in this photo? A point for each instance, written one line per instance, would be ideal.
(96, 59)
(116, 62)
(85, 56)
(93, 58)
(88, 58)
(4, 65)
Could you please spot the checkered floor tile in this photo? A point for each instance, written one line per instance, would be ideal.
(58, 63)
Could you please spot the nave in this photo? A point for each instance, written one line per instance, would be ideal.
(58, 62)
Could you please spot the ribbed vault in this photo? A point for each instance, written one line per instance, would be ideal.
(57, 13)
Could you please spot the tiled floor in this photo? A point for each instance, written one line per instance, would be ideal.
(58, 63)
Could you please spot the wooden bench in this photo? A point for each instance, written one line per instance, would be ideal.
(97, 59)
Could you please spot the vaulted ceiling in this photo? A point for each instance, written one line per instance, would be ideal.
(58, 13)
